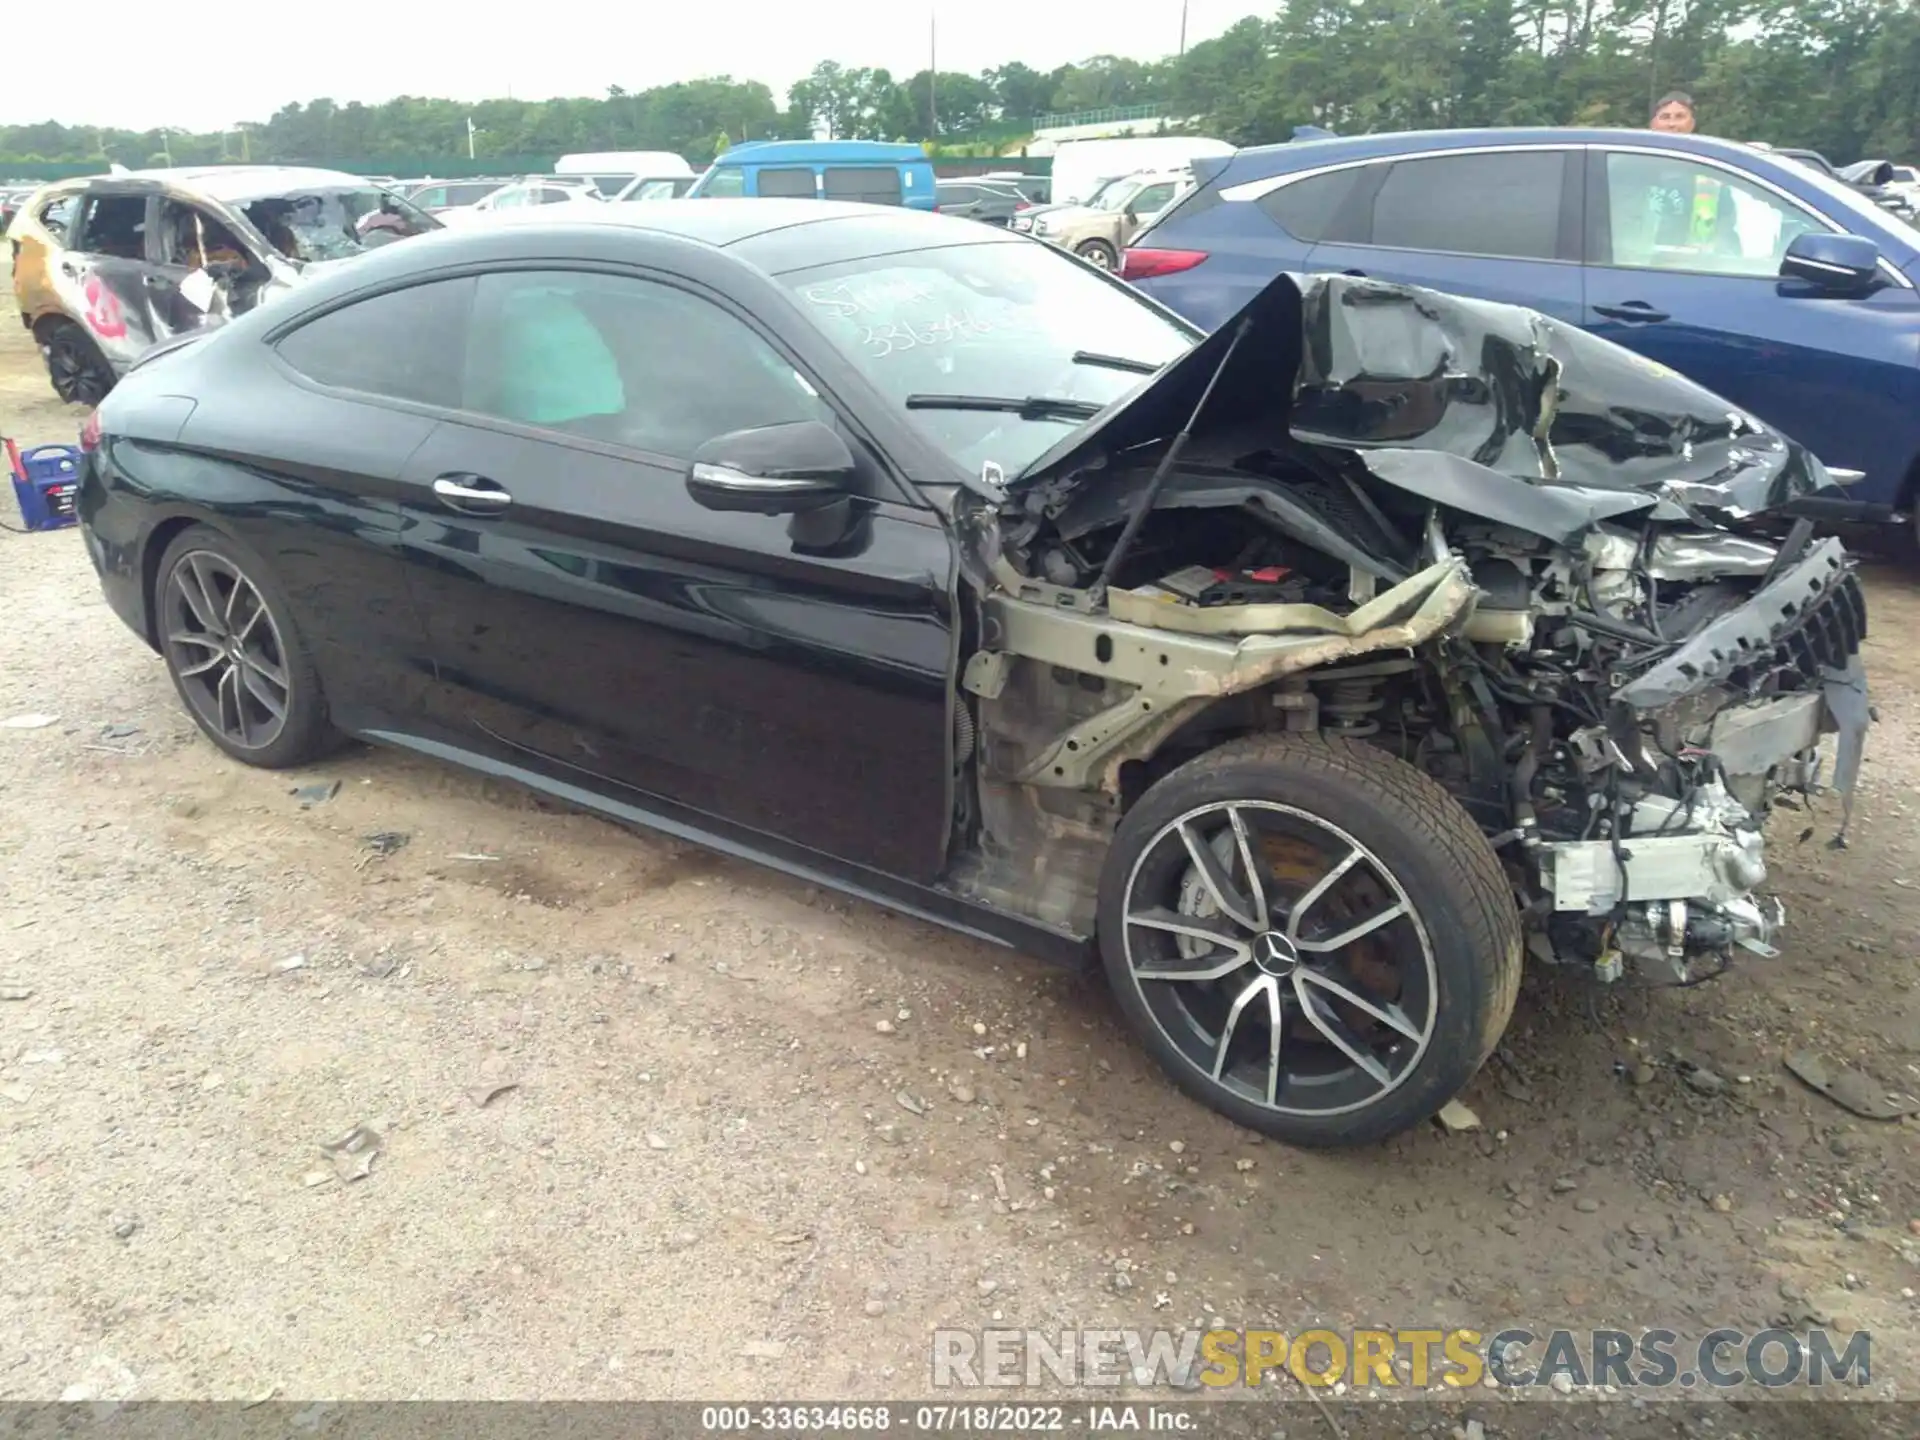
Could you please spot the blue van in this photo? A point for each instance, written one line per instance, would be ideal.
(865, 170)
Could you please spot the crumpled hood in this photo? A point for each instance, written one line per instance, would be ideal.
(1483, 407)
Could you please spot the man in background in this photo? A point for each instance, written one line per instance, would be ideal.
(1674, 114)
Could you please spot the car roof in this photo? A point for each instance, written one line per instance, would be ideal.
(771, 236)
(1332, 150)
(818, 152)
(231, 183)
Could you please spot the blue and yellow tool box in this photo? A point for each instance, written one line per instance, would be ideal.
(46, 482)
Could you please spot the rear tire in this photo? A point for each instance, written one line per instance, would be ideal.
(1382, 934)
(238, 663)
(1098, 253)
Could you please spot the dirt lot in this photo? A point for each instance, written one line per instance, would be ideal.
(706, 1182)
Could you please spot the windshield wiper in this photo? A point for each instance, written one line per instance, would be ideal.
(1034, 407)
(1115, 362)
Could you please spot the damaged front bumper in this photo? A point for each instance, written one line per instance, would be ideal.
(1682, 875)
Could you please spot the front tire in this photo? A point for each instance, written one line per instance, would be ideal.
(77, 370)
(226, 631)
(1310, 936)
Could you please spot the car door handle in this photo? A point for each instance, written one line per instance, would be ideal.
(470, 494)
(1633, 311)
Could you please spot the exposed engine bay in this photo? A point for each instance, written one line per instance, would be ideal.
(1560, 580)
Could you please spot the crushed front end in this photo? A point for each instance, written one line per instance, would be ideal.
(1544, 571)
(1665, 692)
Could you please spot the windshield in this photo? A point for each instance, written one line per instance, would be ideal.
(1001, 320)
(1117, 196)
(333, 224)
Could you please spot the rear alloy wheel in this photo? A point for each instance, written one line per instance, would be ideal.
(79, 372)
(1311, 937)
(1098, 252)
(235, 658)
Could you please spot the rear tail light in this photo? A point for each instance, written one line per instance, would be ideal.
(1145, 263)
(90, 432)
(1023, 204)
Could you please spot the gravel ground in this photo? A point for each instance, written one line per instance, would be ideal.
(645, 1112)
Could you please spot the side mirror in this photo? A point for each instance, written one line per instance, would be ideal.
(1832, 262)
(772, 469)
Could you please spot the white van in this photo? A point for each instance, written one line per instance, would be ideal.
(1081, 166)
(614, 170)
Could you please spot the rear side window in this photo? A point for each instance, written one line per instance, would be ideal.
(1320, 207)
(1505, 205)
(873, 184)
(725, 182)
(115, 225)
(787, 182)
(403, 345)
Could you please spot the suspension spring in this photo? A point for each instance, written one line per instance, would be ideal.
(1348, 707)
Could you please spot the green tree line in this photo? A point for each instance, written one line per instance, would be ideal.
(1839, 75)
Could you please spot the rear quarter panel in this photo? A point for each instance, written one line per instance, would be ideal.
(1245, 249)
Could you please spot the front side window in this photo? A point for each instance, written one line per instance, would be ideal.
(1506, 205)
(725, 182)
(56, 216)
(1666, 212)
(992, 320)
(786, 181)
(403, 344)
(868, 184)
(115, 225)
(625, 361)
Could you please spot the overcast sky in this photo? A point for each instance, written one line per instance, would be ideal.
(152, 66)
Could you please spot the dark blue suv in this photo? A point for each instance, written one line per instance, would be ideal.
(1770, 284)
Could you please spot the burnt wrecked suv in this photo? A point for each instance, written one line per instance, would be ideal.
(105, 266)
(1311, 673)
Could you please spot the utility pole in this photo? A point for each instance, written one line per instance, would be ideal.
(933, 75)
(469, 137)
(1183, 27)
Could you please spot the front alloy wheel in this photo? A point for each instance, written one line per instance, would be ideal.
(1311, 936)
(79, 373)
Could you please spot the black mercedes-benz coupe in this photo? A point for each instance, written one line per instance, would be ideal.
(1307, 673)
